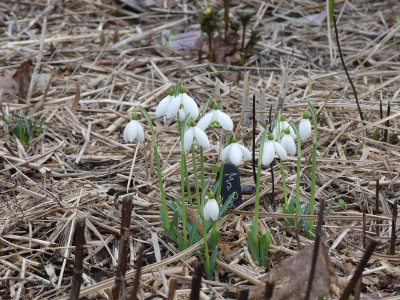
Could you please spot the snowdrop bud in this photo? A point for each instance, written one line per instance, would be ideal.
(305, 127)
(211, 209)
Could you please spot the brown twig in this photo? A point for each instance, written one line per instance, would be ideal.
(78, 265)
(243, 295)
(316, 248)
(377, 205)
(357, 274)
(136, 281)
(269, 290)
(364, 227)
(345, 69)
(196, 282)
(123, 246)
(393, 233)
(387, 124)
(172, 289)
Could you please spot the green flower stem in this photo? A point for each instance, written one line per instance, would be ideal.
(159, 175)
(184, 165)
(284, 183)
(202, 166)
(221, 175)
(257, 203)
(296, 130)
(196, 179)
(206, 254)
(313, 167)
(278, 134)
(183, 199)
(183, 173)
(203, 112)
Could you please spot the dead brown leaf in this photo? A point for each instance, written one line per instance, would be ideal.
(16, 82)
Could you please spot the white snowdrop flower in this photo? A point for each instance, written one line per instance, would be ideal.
(283, 124)
(182, 101)
(216, 118)
(235, 152)
(133, 130)
(211, 209)
(305, 127)
(270, 149)
(195, 134)
(287, 143)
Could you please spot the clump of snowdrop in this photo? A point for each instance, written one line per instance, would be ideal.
(270, 149)
(133, 130)
(236, 152)
(305, 127)
(283, 124)
(177, 101)
(216, 118)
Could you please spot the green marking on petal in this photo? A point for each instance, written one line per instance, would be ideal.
(216, 123)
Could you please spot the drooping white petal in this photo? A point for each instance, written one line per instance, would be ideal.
(201, 137)
(225, 152)
(173, 107)
(211, 210)
(189, 105)
(224, 120)
(280, 151)
(274, 134)
(268, 153)
(188, 139)
(235, 155)
(288, 144)
(140, 132)
(205, 121)
(163, 106)
(246, 153)
(305, 129)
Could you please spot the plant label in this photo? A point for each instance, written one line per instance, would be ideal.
(231, 184)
